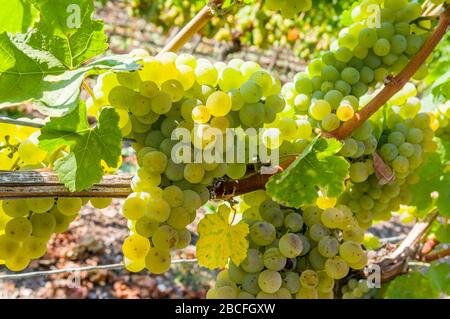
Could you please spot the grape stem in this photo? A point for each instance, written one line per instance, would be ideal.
(190, 29)
(89, 90)
(396, 262)
(396, 83)
(438, 255)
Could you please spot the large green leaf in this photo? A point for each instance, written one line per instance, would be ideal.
(316, 169)
(30, 74)
(434, 181)
(439, 276)
(16, 16)
(81, 168)
(411, 286)
(68, 31)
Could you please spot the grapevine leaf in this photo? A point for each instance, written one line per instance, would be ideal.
(317, 168)
(81, 168)
(439, 276)
(443, 233)
(16, 16)
(30, 74)
(441, 87)
(400, 287)
(67, 30)
(434, 181)
(220, 241)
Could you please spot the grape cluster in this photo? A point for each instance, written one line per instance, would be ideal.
(27, 225)
(178, 91)
(403, 148)
(292, 253)
(355, 289)
(289, 8)
(329, 91)
(19, 148)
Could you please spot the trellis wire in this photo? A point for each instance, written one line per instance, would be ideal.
(118, 266)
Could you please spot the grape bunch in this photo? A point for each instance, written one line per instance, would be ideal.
(288, 8)
(355, 289)
(292, 253)
(173, 92)
(403, 147)
(26, 226)
(364, 55)
(19, 148)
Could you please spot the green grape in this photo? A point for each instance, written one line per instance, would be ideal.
(30, 153)
(262, 233)
(252, 115)
(293, 222)
(135, 206)
(157, 209)
(157, 260)
(18, 229)
(69, 206)
(206, 73)
(40, 205)
(319, 109)
(43, 225)
(326, 283)
(100, 203)
(368, 37)
(235, 273)
(290, 245)
(269, 281)
(8, 247)
(251, 92)
(291, 282)
(179, 218)
(330, 122)
(328, 246)
(389, 152)
(309, 279)
(236, 171)
(192, 200)
(154, 162)
(18, 262)
(273, 259)
(330, 73)
(275, 102)
(358, 172)
(135, 247)
(350, 75)
(250, 283)
(184, 239)
(351, 252)
(15, 208)
(317, 231)
(311, 215)
(146, 227)
(165, 237)
(307, 293)
(173, 195)
(316, 259)
(34, 247)
(274, 216)
(253, 263)
(336, 268)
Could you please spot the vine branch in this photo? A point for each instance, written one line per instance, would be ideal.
(395, 84)
(195, 25)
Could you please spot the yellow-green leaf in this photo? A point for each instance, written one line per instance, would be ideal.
(219, 241)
